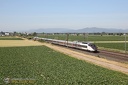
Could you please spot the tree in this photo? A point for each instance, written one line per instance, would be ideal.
(34, 34)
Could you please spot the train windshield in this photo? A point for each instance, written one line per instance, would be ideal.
(92, 45)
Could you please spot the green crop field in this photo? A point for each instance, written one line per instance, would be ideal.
(86, 38)
(49, 67)
(10, 38)
(95, 39)
(119, 46)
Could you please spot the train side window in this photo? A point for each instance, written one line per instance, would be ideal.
(82, 46)
(85, 46)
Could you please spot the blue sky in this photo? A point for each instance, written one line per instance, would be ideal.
(18, 15)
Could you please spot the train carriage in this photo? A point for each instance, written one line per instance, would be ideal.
(75, 44)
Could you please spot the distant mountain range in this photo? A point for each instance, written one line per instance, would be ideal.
(84, 30)
(49, 30)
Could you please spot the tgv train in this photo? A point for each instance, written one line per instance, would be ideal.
(74, 44)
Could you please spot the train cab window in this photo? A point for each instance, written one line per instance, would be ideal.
(92, 45)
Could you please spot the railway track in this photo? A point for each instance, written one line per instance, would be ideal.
(110, 55)
(121, 57)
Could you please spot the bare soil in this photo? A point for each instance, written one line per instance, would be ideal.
(12, 43)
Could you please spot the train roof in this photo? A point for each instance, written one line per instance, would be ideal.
(68, 41)
(86, 42)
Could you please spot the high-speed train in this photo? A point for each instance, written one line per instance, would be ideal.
(74, 44)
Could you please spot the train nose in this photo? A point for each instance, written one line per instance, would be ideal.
(94, 48)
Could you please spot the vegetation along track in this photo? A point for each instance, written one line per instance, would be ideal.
(110, 55)
(121, 57)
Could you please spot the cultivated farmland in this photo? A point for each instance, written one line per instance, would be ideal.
(10, 38)
(20, 42)
(92, 38)
(49, 67)
(119, 46)
(105, 41)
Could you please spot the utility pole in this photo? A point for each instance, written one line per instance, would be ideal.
(125, 44)
(84, 36)
(87, 37)
(67, 38)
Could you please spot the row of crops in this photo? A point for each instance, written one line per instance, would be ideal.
(10, 38)
(49, 67)
(86, 37)
(95, 39)
(116, 46)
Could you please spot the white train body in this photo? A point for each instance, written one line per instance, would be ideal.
(75, 44)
